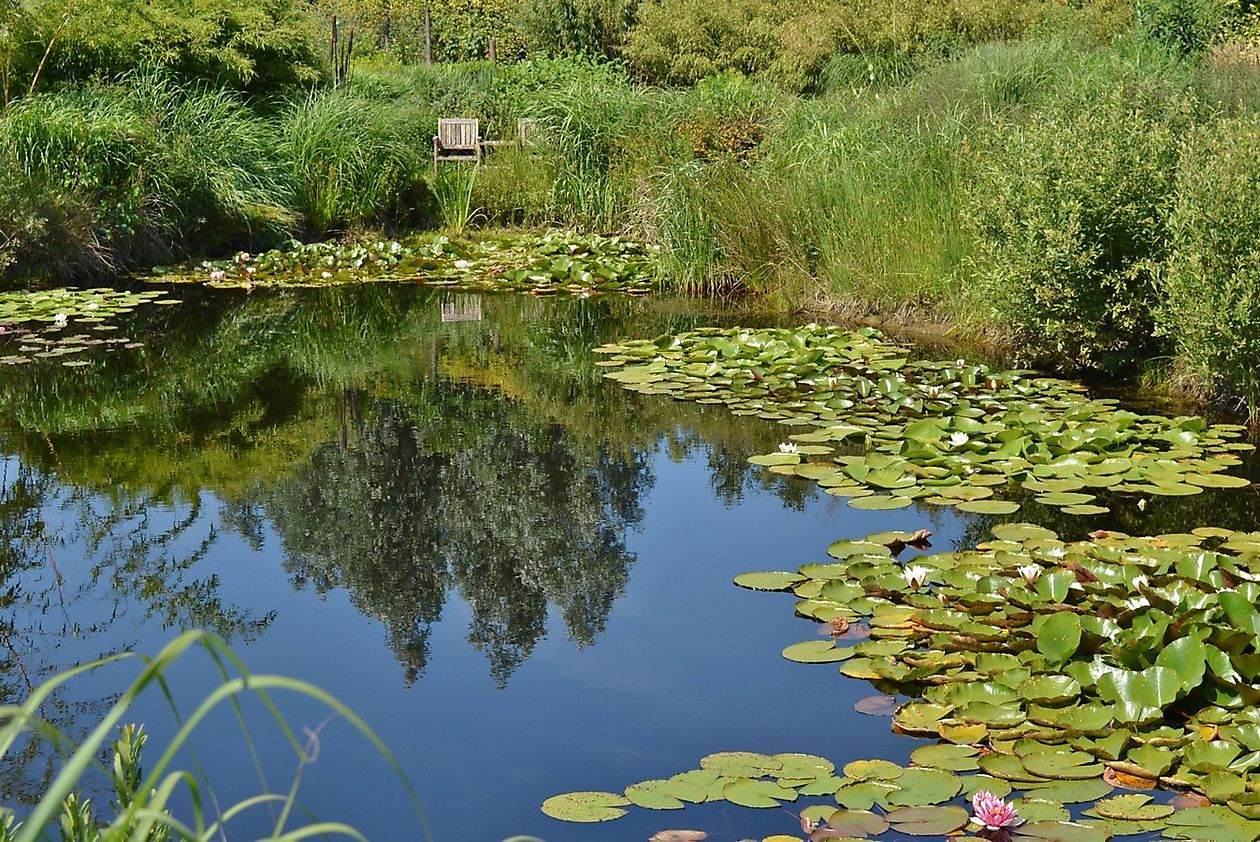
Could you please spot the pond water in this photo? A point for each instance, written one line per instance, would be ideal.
(434, 507)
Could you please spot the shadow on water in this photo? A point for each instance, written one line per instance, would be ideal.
(310, 474)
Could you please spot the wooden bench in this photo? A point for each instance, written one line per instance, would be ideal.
(457, 139)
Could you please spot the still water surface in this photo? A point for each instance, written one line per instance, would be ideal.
(434, 507)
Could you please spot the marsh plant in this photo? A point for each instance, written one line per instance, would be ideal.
(453, 189)
(142, 809)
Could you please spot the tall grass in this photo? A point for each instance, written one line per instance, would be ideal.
(137, 172)
(143, 811)
(353, 160)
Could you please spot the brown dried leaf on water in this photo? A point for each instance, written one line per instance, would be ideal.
(877, 705)
(837, 626)
(1186, 800)
(1125, 780)
(678, 836)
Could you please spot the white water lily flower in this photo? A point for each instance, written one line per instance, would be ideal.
(958, 439)
(1030, 572)
(915, 575)
(789, 447)
(462, 264)
(60, 319)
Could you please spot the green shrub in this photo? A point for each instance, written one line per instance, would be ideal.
(590, 27)
(1210, 283)
(1186, 27)
(1067, 210)
(262, 47)
(354, 161)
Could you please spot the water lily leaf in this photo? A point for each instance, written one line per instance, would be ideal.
(1153, 759)
(864, 795)
(1069, 792)
(1130, 808)
(1049, 688)
(877, 705)
(817, 652)
(658, 795)
(739, 764)
(955, 758)
(1007, 767)
(1217, 480)
(826, 785)
(747, 792)
(1211, 824)
(772, 581)
(679, 836)
(1212, 756)
(1060, 832)
(857, 823)
(989, 507)
(1041, 810)
(865, 770)
(971, 784)
(923, 787)
(1059, 636)
(879, 502)
(928, 821)
(585, 806)
(1062, 765)
(963, 734)
(1186, 656)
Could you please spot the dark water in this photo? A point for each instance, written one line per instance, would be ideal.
(433, 507)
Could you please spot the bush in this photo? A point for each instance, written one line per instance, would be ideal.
(1067, 209)
(589, 27)
(263, 47)
(1210, 283)
(1186, 27)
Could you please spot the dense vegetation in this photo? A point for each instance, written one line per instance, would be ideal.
(1077, 178)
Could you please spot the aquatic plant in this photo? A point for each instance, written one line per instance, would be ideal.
(34, 321)
(540, 264)
(886, 431)
(1062, 689)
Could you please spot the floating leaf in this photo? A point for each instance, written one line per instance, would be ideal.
(585, 806)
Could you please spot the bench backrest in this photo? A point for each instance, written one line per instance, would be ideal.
(458, 133)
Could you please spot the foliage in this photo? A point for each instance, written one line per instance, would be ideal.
(1186, 27)
(1210, 283)
(1039, 668)
(1067, 211)
(353, 161)
(946, 433)
(544, 264)
(263, 48)
(590, 27)
(142, 810)
(106, 177)
(682, 41)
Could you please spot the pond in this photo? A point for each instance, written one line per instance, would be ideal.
(434, 506)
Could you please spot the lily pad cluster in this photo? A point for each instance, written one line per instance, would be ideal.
(884, 430)
(50, 324)
(547, 264)
(870, 798)
(1057, 659)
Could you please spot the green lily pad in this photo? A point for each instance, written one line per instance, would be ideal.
(928, 821)
(585, 806)
(773, 581)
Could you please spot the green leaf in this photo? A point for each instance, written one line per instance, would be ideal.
(585, 806)
(1059, 636)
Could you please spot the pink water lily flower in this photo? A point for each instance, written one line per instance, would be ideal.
(992, 812)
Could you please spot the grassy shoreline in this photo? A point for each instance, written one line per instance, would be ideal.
(1092, 204)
